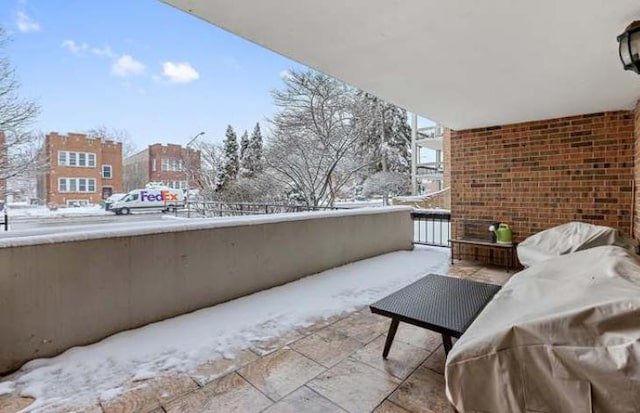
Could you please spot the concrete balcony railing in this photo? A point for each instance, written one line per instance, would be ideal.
(73, 289)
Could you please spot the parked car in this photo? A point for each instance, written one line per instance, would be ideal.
(113, 198)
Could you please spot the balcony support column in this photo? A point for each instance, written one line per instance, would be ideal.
(414, 154)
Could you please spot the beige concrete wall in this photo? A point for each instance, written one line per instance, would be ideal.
(57, 295)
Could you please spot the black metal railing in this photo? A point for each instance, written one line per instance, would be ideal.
(229, 209)
(431, 228)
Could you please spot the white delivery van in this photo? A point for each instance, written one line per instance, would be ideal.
(149, 200)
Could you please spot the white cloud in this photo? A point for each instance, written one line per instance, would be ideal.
(127, 66)
(26, 24)
(77, 48)
(103, 51)
(74, 47)
(179, 72)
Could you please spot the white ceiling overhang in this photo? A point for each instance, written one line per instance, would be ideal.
(462, 63)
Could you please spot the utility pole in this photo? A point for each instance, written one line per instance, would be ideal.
(414, 154)
(188, 171)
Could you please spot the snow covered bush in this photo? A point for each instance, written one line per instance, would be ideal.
(386, 184)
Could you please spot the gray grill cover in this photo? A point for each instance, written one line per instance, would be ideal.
(565, 239)
(561, 336)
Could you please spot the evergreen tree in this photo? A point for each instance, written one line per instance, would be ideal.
(387, 137)
(256, 151)
(231, 162)
(245, 164)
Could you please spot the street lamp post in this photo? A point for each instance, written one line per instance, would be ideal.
(188, 172)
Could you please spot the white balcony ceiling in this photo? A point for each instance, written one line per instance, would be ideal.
(462, 63)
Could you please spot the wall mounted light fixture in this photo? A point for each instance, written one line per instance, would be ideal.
(629, 47)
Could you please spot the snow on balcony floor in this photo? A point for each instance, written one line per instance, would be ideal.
(99, 372)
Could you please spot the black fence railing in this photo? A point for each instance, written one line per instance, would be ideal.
(228, 209)
(431, 228)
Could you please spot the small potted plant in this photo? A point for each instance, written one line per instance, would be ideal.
(493, 228)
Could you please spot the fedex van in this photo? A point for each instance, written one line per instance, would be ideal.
(149, 199)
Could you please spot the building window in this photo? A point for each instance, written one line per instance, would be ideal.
(77, 185)
(79, 159)
(106, 171)
(173, 165)
(77, 202)
(153, 166)
(177, 184)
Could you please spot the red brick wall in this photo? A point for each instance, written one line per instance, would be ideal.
(107, 153)
(111, 154)
(446, 153)
(535, 175)
(446, 176)
(190, 157)
(636, 227)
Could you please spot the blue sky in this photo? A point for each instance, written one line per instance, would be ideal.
(138, 65)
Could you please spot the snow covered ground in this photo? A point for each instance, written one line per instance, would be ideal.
(42, 212)
(359, 204)
(180, 344)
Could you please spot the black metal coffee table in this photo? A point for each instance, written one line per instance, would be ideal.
(446, 305)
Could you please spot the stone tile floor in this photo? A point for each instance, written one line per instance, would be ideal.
(334, 365)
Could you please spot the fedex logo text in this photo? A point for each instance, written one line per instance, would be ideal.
(162, 196)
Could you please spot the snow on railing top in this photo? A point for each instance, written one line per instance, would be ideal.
(180, 225)
(432, 211)
(413, 198)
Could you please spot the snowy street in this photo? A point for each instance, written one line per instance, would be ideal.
(22, 226)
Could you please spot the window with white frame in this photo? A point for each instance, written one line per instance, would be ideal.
(76, 185)
(177, 184)
(77, 159)
(171, 164)
(107, 171)
(77, 202)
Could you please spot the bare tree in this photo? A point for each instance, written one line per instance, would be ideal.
(117, 135)
(21, 153)
(209, 176)
(313, 151)
(262, 188)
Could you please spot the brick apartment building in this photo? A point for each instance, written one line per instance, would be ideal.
(82, 169)
(168, 164)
